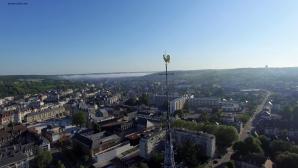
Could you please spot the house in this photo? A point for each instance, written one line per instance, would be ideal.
(53, 134)
(280, 128)
(49, 113)
(52, 97)
(6, 117)
(13, 160)
(9, 133)
(19, 147)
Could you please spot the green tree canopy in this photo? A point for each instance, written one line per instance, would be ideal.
(144, 99)
(286, 159)
(96, 127)
(156, 160)
(265, 144)
(277, 146)
(249, 146)
(225, 135)
(230, 164)
(244, 117)
(189, 153)
(79, 119)
(131, 102)
(143, 165)
(60, 164)
(43, 159)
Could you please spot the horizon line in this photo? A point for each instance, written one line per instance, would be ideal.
(94, 73)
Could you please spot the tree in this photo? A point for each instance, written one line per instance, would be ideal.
(249, 146)
(60, 164)
(226, 135)
(79, 119)
(277, 146)
(204, 116)
(179, 113)
(43, 159)
(156, 160)
(131, 102)
(253, 144)
(230, 164)
(241, 148)
(265, 144)
(86, 158)
(244, 118)
(190, 154)
(286, 159)
(143, 165)
(144, 99)
(96, 127)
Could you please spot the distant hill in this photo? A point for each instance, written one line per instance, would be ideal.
(32, 84)
(242, 77)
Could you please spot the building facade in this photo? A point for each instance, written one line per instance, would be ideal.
(177, 104)
(149, 142)
(204, 140)
(49, 113)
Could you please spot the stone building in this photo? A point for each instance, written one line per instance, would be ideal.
(49, 113)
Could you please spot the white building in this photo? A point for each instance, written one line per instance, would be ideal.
(177, 104)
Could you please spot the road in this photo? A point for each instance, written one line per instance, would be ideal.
(249, 125)
(243, 134)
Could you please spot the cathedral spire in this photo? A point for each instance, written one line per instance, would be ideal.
(169, 161)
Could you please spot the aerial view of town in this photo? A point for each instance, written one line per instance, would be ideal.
(148, 84)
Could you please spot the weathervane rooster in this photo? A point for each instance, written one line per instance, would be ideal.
(166, 58)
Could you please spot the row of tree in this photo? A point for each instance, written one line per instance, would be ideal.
(16, 87)
(225, 135)
(44, 159)
(282, 153)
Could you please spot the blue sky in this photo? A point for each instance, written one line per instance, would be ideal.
(86, 36)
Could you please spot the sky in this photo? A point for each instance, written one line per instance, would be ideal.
(99, 36)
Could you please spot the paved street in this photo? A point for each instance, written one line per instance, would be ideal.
(249, 125)
(243, 134)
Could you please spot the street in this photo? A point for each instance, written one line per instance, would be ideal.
(243, 134)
